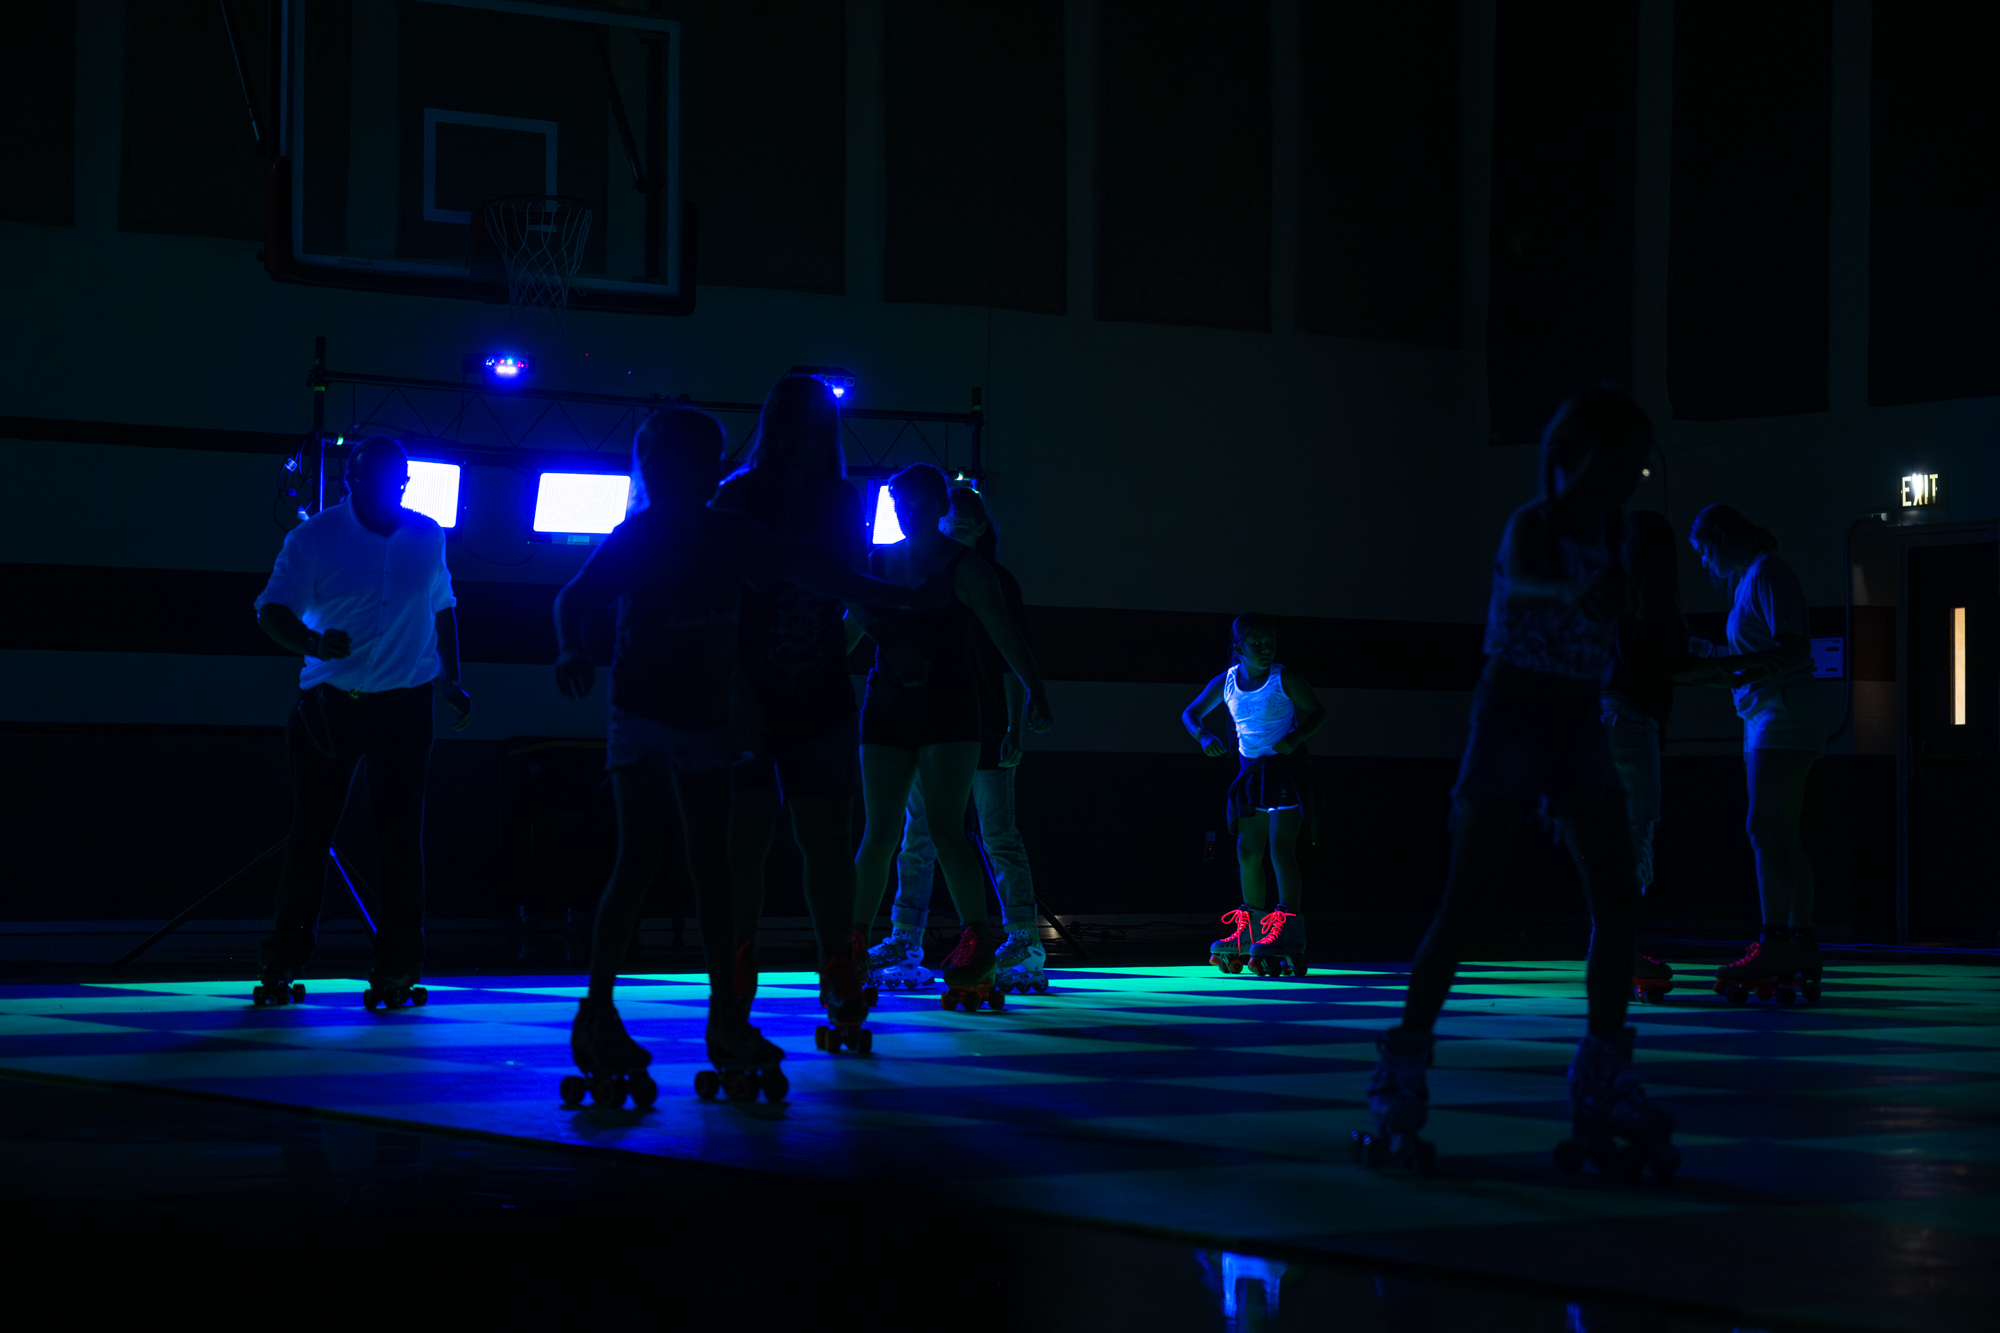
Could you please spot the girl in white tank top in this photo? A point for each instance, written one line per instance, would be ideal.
(1274, 711)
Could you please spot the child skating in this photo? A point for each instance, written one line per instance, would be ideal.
(1275, 712)
(1538, 741)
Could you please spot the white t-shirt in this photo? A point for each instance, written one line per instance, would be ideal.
(1781, 713)
(333, 573)
(1263, 716)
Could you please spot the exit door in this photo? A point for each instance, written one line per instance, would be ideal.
(1952, 720)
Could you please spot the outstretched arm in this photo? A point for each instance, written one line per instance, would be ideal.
(1205, 703)
(979, 589)
(1308, 713)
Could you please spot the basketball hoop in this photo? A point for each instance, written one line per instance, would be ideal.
(540, 240)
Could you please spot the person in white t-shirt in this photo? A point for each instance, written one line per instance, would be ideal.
(1767, 663)
(361, 591)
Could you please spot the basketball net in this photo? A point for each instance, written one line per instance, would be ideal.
(541, 243)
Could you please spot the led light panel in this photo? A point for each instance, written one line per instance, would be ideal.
(887, 529)
(433, 491)
(581, 501)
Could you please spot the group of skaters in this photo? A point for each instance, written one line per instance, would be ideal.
(737, 606)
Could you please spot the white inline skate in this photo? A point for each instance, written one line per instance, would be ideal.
(1018, 963)
(898, 961)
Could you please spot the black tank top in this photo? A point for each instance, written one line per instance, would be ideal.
(944, 635)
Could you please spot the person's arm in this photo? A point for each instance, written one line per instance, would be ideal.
(1204, 704)
(1308, 713)
(596, 584)
(979, 588)
(286, 630)
(448, 687)
(1532, 576)
(1017, 698)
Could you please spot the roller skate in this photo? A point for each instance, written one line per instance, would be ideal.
(1651, 978)
(275, 986)
(1764, 969)
(1613, 1128)
(393, 990)
(844, 992)
(613, 1065)
(1229, 952)
(1017, 967)
(898, 961)
(968, 972)
(1400, 1099)
(1280, 950)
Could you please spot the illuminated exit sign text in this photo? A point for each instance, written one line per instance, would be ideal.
(1921, 490)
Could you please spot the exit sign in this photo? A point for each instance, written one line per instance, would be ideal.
(1923, 490)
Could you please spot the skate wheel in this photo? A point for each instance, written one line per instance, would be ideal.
(776, 1086)
(1786, 995)
(1041, 988)
(298, 993)
(1811, 989)
(418, 995)
(863, 1041)
(1568, 1156)
(740, 1087)
(706, 1084)
(368, 998)
(820, 1035)
(1298, 967)
(644, 1091)
(571, 1090)
(997, 1000)
(1737, 995)
(257, 996)
(607, 1092)
(870, 994)
(950, 1001)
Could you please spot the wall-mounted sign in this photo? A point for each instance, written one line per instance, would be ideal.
(1922, 490)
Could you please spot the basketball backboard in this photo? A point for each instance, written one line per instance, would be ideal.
(400, 118)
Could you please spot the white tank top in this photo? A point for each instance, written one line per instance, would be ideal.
(1263, 715)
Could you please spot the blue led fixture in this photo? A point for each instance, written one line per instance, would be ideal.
(886, 529)
(837, 378)
(433, 491)
(500, 368)
(581, 505)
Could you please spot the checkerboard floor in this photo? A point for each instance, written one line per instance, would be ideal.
(1842, 1159)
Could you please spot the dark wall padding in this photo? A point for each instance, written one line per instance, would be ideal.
(38, 104)
(1378, 170)
(190, 165)
(764, 140)
(1934, 269)
(977, 184)
(1564, 125)
(1752, 183)
(1184, 163)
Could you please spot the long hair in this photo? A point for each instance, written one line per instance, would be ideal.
(988, 542)
(798, 431)
(675, 446)
(1596, 421)
(1721, 522)
(1652, 563)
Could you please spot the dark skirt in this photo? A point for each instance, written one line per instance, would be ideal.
(1272, 783)
(1538, 737)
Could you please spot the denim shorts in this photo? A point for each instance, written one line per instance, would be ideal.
(632, 739)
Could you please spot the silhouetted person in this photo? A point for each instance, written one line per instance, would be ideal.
(676, 570)
(926, 726)
(1768, 666)
(362, 592)
(1538, 741)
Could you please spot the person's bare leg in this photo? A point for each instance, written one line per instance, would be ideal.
(1601, 842)
(645, 799)
(1482, 839)
(823, 827)
(947, 778)
(1253, 839)
(1285, 826)
(886, 775)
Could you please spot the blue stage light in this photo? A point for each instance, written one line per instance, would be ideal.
(837, 378)
(886, 528)
(433, 491)
(581, 502)
(506, 368)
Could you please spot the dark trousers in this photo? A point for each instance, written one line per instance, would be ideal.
(329, 734)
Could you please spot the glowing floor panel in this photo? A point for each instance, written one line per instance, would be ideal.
(1175, 1098)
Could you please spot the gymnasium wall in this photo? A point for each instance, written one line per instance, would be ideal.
(1265, 302)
